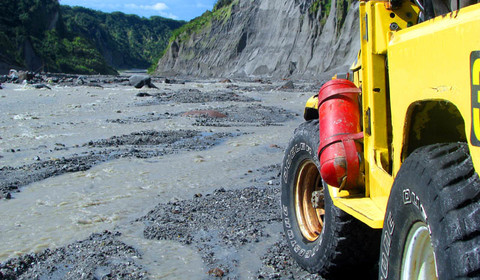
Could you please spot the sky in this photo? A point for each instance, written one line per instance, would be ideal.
(174, 9)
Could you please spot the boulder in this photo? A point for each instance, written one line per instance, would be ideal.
(80, 80)
(53, 80)
(139, 81)
(13, 75)
(40, 86)
(25, 76)
(288, 85)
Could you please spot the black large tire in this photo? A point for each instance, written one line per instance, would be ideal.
(327, 241)
(434, 211)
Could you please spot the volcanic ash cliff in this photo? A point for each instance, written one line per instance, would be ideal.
(268, 38)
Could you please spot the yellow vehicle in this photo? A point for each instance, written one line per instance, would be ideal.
(382, 178)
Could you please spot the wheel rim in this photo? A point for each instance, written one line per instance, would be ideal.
(418, 260)
(310, 219)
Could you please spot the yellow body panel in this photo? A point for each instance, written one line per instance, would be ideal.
(362, 208)
(431, 61)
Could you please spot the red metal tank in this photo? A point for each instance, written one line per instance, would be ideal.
(339, 127)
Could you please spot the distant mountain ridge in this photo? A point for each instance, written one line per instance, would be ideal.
(41, 35)
(266, 38)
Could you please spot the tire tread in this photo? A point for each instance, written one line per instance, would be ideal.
(449, 170)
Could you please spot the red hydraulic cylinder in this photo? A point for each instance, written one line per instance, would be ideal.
(339, 127)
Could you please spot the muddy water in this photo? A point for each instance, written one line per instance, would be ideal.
(43, 124)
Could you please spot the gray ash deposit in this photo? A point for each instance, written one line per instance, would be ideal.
(146, 118)
(215, 224)
(252, 115)
(114, 190)
(236, 232)
(101, 256)
(145, 144)
(195, 96)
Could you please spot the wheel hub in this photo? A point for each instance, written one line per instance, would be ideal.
(317, 199)
(418, 260)
(309, 205)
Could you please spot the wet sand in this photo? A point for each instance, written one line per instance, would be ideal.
(104, 181)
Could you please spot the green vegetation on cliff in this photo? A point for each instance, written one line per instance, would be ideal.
(41, 35)
(72, 54)
(342, 10)
(222, 3)
(126, 41)
(34, 37)
(221, 12)
(321, 9)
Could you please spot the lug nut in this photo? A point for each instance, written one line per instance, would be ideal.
(394, 26)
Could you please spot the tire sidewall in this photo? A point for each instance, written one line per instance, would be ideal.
(308, 254)
(410, 201)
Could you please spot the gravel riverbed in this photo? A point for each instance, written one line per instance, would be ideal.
(175, 182)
